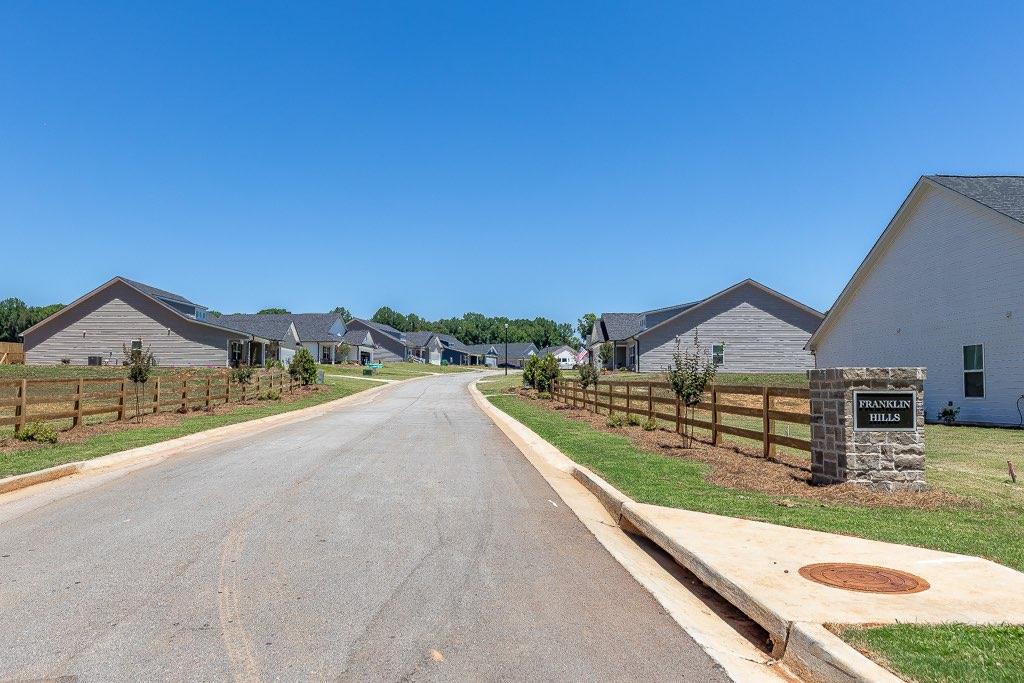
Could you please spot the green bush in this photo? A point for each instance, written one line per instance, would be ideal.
(273, 363)
(530, 371)
(39, 432)
(302, 366)
(650, 425)
(544, 394)
(242, 374)
(369, 371)
(635, 420)
(541, 373)
(948, 414)
(615, 421)
(269, 395)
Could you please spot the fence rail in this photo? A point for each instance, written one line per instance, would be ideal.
(12, 353)
(77, 398)
(648, 400)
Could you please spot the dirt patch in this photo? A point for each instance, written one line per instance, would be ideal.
(742, 468)
(162, 419)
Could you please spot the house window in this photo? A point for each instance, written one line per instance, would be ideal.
(95, 360)
(235, 352)
(200, 314)
(718, 354)
(136, 346)
(974, 371)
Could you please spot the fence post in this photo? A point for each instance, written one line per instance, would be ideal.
(120, 402)
(209, 383)
(679, 423)
(766, 423)
(184, 394)
(227, 389)
(714, 415)
(77, 420)
(156, 396)
(627, 401)
(611, 398)
(650, 400)
(20, 409)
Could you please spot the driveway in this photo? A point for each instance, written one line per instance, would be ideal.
(405, 538)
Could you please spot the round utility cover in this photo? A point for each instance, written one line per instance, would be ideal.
(864, 578)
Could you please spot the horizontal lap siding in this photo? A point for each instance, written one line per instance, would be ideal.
(110, 320)
(761, 334)
(952, 276)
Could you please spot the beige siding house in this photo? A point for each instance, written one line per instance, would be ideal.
(95, 329)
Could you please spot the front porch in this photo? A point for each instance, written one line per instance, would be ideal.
(623, 355)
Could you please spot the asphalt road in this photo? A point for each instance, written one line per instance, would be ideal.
(406, 538)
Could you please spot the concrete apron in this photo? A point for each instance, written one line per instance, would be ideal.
(147, 455)
(755, 566)
(741, 660)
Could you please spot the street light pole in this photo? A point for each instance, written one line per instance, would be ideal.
(506, 349)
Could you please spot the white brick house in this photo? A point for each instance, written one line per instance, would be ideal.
(943, 288)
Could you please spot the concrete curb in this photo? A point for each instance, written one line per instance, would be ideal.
(203, 438)
(813, 651)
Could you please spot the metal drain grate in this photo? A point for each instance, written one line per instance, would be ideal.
(864, 578)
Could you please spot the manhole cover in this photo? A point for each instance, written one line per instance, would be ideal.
(864, 578)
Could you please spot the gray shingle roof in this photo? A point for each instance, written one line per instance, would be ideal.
(358, 338)
(159, 293)
(315, 326)
(1005, 194)
(269, 326)
(418, 338)
(555, 349)
(482, 349)
(615, 326)
(450, 342)
(516, 350)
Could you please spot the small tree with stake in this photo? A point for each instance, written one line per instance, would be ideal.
(690, 374)
(588, 378)
(140, 365)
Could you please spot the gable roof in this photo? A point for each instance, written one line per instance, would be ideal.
(144, 291)
(621, 326)
(1002, 193)
(989, 191)
(555, 349)
(158, 293)
(358, 338)
(516, 350)
(315, 326)
(272, 326)
(483, 349)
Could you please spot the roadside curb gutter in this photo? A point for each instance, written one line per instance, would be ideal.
(208, 437)
(807, 649)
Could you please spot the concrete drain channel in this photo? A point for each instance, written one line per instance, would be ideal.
(864, 578)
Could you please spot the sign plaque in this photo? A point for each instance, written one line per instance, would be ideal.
(884, 411)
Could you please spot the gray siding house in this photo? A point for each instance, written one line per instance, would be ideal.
(94, 330)
(745, 328)
(390, 346)
(277, 329)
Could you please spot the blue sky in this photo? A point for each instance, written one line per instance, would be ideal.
(524, 159)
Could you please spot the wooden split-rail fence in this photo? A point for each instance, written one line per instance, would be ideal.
(650, 399)
(78, 398)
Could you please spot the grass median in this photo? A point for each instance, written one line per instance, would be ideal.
(35, 458)
(963, 461)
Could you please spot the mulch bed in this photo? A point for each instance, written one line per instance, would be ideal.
(739, 467)
(162, 419)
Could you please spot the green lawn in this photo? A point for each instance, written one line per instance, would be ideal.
(946, 654)
(76, 371)
(395, 370)
(19, 462)
(969, 461)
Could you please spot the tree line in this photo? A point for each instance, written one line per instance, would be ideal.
(477, 328)
(16, 317)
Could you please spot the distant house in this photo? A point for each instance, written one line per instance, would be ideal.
(484, 354)
(942, 289)
(745, 328)
(518, 352)
(427, 347)
(125, 314)
(361, 346)
(565, 355)
(390, 345)
(321, 334)
(278, 329)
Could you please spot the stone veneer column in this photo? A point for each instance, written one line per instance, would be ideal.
(880, 460)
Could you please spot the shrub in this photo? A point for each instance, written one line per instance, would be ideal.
(242, 374)
(615, 421)
(588, 377)
(547, 372)
(605, 353)
(634, 420)
(543, 394)
(369, 371)
(65, 361)
(273, 363)
(140, 365)
(530, 368)
(444, 363)
(302, 366)
(948, 413)
(38, 432)
(650, 425)
(269, 395)
(690, 374)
